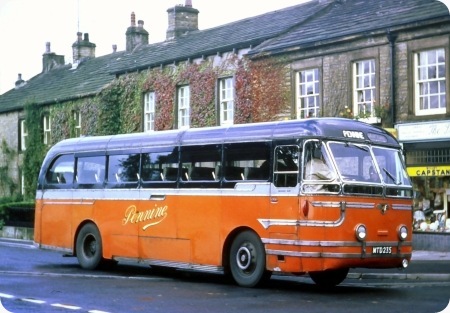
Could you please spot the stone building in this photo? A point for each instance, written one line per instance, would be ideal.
(384, 62)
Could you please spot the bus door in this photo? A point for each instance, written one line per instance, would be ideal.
(284, 195)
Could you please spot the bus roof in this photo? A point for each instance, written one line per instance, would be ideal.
(331, 128)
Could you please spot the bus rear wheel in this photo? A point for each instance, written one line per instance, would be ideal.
(248, 260)
(329, 278)
(89, 247)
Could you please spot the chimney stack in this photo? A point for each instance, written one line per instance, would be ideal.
(135, 35)
(50, 59)
(20, 82)
(182, 19)
(82, 49)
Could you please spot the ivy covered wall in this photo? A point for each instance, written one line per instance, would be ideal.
(262, 93)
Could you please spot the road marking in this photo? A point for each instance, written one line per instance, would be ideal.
(42, 302)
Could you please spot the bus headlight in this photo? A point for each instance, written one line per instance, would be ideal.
(402, 232)
(361, 232)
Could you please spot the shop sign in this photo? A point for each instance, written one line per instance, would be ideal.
(429, 170)
(423, 131)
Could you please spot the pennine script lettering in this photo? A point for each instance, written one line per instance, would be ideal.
(150, 217)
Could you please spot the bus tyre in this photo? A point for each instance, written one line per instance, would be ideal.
(329, 278)
(248, 260)
(89, 247)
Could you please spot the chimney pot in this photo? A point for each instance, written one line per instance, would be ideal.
(79, 36)
(133, 19)
(114, 48)
(86, 37)
(140, 23)
(188, 3)
(47, 48)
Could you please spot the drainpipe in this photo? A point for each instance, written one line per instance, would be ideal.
(392, 37)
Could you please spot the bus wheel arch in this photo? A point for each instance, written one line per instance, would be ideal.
(246, 258)
(88, 246)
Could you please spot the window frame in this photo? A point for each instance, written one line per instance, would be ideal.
(183, 106)
(23, 135)
(47, 129)
(77, 123)
(358, 90)
(149, 111)
(226, 101)
(442, 109)
(302, 99)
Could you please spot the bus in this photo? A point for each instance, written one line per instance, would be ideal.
(244, 200)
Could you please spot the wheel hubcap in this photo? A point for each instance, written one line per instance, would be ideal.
(244, 258)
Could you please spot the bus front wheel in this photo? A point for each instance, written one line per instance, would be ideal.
(248, 260)
(89, 247)
(329, 278)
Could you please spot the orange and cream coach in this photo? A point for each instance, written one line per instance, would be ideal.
(316, 196)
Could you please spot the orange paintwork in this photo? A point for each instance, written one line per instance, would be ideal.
(193, 228)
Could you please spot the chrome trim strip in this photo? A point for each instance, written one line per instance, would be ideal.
(318, 243)
(58, 249)
(406, 207)
(266, 223)
(337, 255)
(177, 265)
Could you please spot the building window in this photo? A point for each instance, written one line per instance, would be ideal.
(23, 131)
(226, 98)
(149, 111)
(430, 93)
(47, 129)
(77, 122)
(364, 84)
(308, 93)
(183, 107)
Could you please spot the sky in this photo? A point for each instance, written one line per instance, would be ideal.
(27, 25)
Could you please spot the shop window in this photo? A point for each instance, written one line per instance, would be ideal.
(308, 93)
(430, 82)
(226, 100)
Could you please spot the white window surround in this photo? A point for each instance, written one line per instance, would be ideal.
(149, 111)
(365, 88)
(308, 93)
(430, 96)
(183, 107)
(77, 120)
(23, 135)
(226, 100)
(47, 129)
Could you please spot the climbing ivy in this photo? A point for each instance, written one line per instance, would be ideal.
(7, 184)
(34, 154)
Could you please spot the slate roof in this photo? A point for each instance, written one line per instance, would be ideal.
(240, 34)
(352, 17)
(62, 83)
(297, 26)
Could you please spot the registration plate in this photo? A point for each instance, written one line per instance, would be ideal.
(382, 250)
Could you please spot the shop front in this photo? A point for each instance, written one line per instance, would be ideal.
(427, 149)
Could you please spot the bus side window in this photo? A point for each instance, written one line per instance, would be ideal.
(246, 161)
(159, 167)
(200, 165)
(286, 166)
(60, 173)
(90, 171)
(123, 170)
